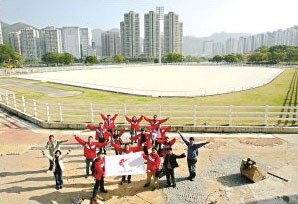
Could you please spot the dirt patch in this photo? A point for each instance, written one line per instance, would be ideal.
(261, 141)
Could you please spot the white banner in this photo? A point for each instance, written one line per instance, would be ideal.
(126, 164)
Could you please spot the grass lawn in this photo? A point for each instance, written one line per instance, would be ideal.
(277, 93)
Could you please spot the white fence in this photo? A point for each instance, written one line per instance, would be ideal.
(193, 115)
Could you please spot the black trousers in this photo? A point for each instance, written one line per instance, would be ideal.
(102, 150)
(98, 184)
(170, 175)
(124, 178)
(191, 163)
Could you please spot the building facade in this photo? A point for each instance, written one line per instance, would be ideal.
(52, 40)
(130, 35)
(110, 43)
(173, 33)
(85, 42)
(14, 39)
(152, 34)
(30, 43)
(71, 41)
(1, 36)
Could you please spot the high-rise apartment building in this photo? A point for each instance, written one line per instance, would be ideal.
(110, 43)
(130, 35)
(85, 41)
(14, 39)
(52, 40)
(152, 34)
(173, 32)
(71, 41)
(30, 43)
(231, 46)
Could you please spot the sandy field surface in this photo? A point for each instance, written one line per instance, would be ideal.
(164, 80)
(24, 178)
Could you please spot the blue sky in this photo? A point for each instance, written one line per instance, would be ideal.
(200, 17)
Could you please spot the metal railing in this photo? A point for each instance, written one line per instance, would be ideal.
(191, 115)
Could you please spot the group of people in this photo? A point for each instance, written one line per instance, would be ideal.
(154, 144)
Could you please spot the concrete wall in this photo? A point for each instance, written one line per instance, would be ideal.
(209, 129)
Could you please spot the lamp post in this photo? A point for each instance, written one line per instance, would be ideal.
(160, 17)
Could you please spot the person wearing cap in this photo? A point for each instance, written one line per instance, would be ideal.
(169, 164)
(192, 154)
(99, 170)
(89, 150)
(153, 163)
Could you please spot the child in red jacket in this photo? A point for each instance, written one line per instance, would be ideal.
(89, 150)
(99, 170)
(153, 163)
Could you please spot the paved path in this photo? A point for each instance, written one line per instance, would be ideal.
(32, 85)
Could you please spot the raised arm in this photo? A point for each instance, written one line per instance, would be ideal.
(147, 119)
(136, 149)
(134, 137)
(100, 144)
(117, 147)
(199, 145)
(103, 116)
(161, 141)
(173, 141)
(184, 140)
(115, 116)
(91, 127)
(79, 140)
(48, 156)
(61, 141)
(128, 119)
(163, 120)
(121, 132)
(180, 156)
(140, 119)
(167, 129)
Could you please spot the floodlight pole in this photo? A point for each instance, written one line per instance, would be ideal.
(160, 17)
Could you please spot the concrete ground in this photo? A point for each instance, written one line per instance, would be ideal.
(24, 178)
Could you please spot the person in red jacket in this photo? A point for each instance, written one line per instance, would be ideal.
(125, 150)
(116, 137)
(89, 150)
(155, 121)
(109, 123)
(99, 170)
(153, 163)
(142, 139)
(134, 124)
(101, 135)
(166, 144)
(158, 133)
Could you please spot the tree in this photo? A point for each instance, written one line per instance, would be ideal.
(66, 58)
(217, 58)
(9, 57)
(173, 57)
(258, 57)
(91, 60)
(51, 58)
(231, 58)
(118, 59)
(277, 57)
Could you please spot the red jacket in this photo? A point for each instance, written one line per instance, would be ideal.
(106, 134)
(117, 137)
(99, 169)
(166, 145)
(139, 138)
(109, 124)
(153, 162)
(122, 150)
(90, 149)
(163, 130)
(134, 125)
(155, 122)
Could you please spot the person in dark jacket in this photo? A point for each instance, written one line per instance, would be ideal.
(169, 164)
(192, 154)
